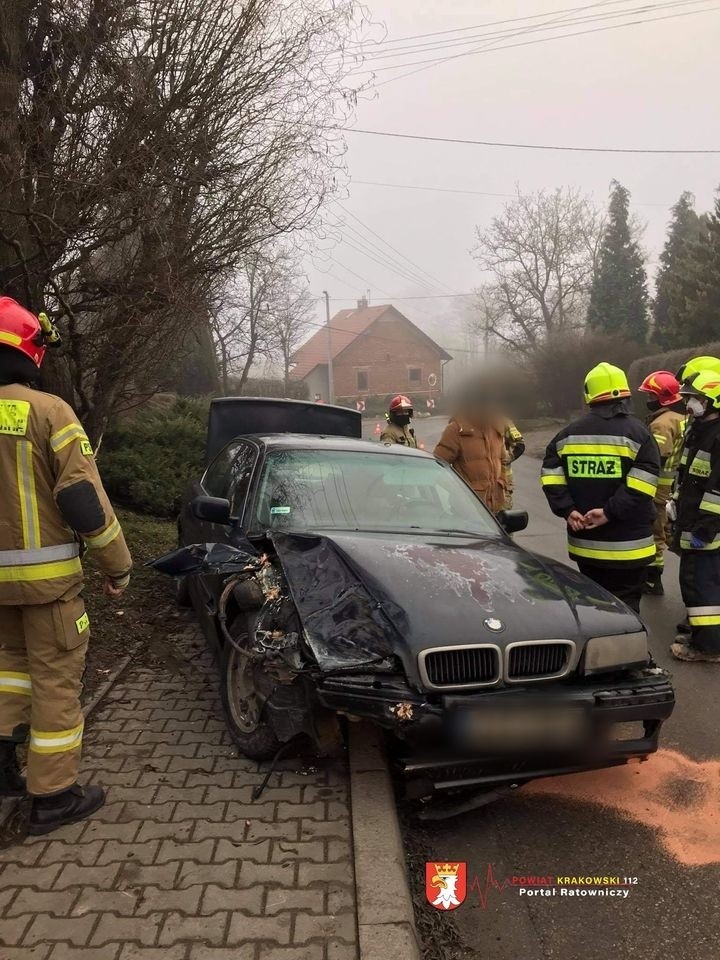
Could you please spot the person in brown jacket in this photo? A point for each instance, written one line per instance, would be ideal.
(53, 505)
(473, 443)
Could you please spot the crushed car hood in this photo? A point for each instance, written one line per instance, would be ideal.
(364, 596)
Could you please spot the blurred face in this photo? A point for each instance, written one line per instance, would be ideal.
(402, 416)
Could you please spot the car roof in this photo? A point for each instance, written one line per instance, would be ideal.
(302, 441)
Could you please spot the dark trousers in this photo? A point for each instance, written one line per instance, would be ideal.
(700, 588)
(626, 582)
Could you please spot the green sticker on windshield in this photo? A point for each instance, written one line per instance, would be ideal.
(595, 467)
(274, 510)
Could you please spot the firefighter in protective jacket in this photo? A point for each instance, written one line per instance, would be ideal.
(600, 474)
(686, 374)
(697, 529)
(666, 420)
(398, 429)
(53, 503)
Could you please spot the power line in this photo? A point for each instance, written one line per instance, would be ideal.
(421, 270)
(411, 273)
(388, 50)
(329, 273)
(472, 193)
(527, 43)
(380, 262)
(531, 146)
(379, 49)
(488, 23)
(369, 249)
(489, 42)
(435, 296)
(365, 280)
(412, 186)
(374, 252)
(370, 285)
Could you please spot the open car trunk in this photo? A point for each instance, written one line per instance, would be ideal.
(232, 417)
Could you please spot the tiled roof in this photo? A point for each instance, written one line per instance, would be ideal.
(345, 327)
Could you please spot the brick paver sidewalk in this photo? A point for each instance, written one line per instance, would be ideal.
(180, 864)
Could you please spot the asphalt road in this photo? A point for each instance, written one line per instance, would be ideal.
(658, 821)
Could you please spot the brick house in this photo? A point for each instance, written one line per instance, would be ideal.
(376, 351)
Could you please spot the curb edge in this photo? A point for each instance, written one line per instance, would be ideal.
(385, 929)
(105, 688)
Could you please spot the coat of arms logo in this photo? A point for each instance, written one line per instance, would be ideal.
(445, 884)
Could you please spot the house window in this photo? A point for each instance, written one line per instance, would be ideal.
(362, 380)
(414, 376)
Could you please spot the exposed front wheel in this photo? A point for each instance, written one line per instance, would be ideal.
(243, 711)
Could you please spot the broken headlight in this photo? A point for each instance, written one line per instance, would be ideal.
(609, 653)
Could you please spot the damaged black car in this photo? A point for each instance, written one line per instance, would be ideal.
(337, 578)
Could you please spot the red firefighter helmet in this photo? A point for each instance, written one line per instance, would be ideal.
(22, 330)
(663, 385)
(401, 403)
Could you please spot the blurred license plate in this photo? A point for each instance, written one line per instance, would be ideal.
(522, 728)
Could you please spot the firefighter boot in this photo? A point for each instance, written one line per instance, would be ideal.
(75, 803)
(12, 784)
(653, 582)
(684, 651)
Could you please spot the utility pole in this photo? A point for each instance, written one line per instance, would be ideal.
(331, 385)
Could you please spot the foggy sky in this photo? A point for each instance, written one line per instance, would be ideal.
(654, 86)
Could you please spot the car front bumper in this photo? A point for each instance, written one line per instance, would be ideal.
(426, 754)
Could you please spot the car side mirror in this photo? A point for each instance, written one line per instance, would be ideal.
(513, 521)
(212, 509)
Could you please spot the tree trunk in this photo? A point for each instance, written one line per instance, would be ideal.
(224, 372)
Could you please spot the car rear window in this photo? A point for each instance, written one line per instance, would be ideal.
(353, 490)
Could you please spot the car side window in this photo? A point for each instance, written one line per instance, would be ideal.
(218, 476)
(240, 476)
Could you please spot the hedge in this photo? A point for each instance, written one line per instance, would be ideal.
(148, 460)
(559, 366)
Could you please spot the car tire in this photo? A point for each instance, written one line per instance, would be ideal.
(254, 737)
(182, 592)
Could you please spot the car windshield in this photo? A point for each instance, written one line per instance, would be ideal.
(355, 490)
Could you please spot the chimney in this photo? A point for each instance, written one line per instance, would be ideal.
(362, 303)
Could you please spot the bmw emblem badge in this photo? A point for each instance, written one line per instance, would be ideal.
(492, 623)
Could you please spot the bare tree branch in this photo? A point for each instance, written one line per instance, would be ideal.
(147, 147)
(540, 258)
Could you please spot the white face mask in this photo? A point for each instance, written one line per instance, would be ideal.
(696, 406)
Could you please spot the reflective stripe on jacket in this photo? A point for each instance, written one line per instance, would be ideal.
(668, 430)
(514, 442)
(698, 488)
(609, 460)
(46, 457)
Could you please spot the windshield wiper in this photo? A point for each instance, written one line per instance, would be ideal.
(449, 531)
(463, 533)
